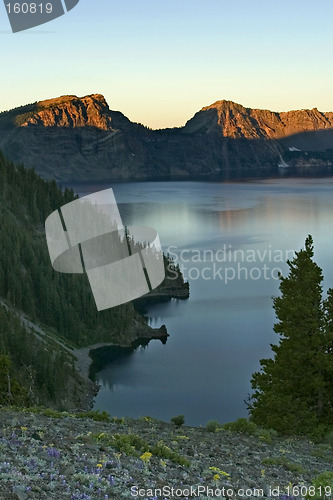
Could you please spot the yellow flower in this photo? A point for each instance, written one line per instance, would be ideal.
(99, 465)
(216, 477)
(24, 428)
(146, 456)
(219, 471)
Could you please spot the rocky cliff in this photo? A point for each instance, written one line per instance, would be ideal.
(81, 139)
(69, 111)
(236, 122)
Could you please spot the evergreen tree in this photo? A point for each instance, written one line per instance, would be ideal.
(294, 391)
(11, 392)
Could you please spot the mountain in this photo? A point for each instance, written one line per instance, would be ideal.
(81, 139)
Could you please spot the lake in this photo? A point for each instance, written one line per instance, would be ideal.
(232, 239)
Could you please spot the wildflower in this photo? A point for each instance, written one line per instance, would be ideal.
(219, 471)
(216, 477)
(146, 457)
(53, 452)
(99, 466)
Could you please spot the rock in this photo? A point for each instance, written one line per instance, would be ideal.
(36, 436)
(69, 471)
(71, 111)
(82, 472)
(20, 492)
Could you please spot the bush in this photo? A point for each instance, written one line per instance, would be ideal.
(94, 415)
(129, 444)
(212, 425)
(292, 467)
(163, 451)
(323, 486)
(119, 421)
(323, 451)
(329, 438)
(266, 435)
(319, 433)
(241, 425)
(134, 445)
(148, 419)
(49, 412)
(179, 420)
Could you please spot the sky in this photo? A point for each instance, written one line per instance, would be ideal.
(161, 61)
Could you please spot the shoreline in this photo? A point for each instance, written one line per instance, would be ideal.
(139, 333)
(83, 360)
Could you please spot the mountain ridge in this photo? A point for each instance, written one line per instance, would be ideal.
(72, 138)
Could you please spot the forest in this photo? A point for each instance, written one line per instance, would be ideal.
(32, 371)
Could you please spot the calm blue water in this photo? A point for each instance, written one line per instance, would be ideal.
(218, 336)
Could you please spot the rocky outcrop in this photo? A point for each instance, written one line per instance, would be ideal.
(237, 122)
(70, 111)
(81, 139)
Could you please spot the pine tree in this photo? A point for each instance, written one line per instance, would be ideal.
(293, 391)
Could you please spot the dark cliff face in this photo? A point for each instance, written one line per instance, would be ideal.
(71, 138)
